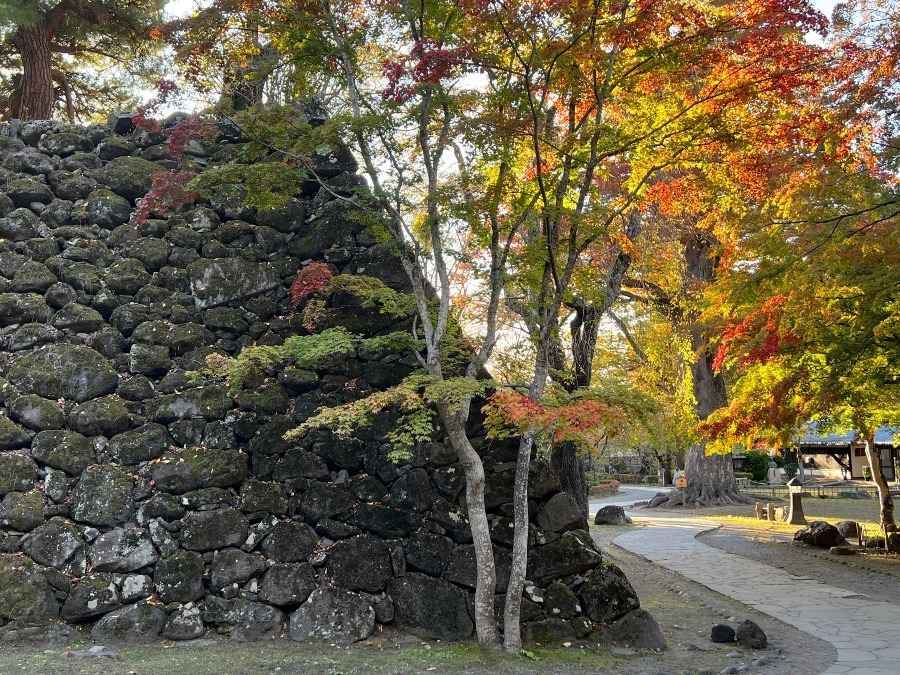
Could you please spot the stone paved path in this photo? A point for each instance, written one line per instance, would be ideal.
(865, 632)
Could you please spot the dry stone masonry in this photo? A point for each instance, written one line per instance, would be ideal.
(151, 506)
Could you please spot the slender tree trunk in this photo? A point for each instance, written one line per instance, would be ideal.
(886, 501)
(512, 630)
(33, 44)
(486, 630)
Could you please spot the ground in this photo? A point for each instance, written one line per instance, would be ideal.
(685, 611)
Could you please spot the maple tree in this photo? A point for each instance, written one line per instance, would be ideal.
(809, 330)
(521, 139)
(34, 35)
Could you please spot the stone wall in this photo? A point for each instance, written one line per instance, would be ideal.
(151, 506)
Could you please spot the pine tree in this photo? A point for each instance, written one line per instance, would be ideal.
(34, 34)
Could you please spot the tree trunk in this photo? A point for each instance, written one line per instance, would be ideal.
(566, 464)
(512, 630)
(710, 478)
(33, 45)
(486, 630)
(886, 501)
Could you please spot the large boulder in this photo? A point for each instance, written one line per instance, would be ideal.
(135, 624)
(103, 496)
(122, 550)
(64, 371)
(636, 629)
(572, 553)
(210, 530)
(333, 615)
(195, 468)
(94, 595)
(560, 513)
(360, 563)
(430, 608)
(819, 533)
(243, 620)
(24, 591)
(222, 280)
(179, 578)
(54, 543)
(286, 584)
(611, 515)
(608, 594)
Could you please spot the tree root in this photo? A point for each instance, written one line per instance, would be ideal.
(679, 498)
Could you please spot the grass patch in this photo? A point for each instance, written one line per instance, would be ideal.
(286, 657)
(831, 510)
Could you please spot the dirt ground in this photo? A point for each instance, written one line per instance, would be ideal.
(685, 611)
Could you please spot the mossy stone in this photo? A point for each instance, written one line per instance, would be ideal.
(71, 372)
(24, 591)
(22, 511)
(19, 308)
(103, 496)
(129, 177)
(12, 436)
(65, 450)
(195, 468)
(37, 413)
(105, 416)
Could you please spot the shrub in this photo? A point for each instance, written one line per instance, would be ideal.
(790, 470)
(757, 465)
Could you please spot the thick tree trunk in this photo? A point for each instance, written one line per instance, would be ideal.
(710, 478)
(486, 630)
(566, 464)
(885, 500)
(33, 45)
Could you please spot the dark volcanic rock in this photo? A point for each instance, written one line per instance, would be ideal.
(333, 615)
(559, 514)
(136, 624)
(286, 585)
(243, 620)
(722, 633)
(572, 553)
(179, 578)
(196, 468)
(103, 496)
(94, 595)
(430, 608)
(637, 630)
(64, 450)
(24, 591)
(611, 515)
(70, 372)
(607, 595)
(290, 542)
(819, 533)
(360, 563)
(54, 543)
(122, 550)
(750, 635)
(209, 530)
(219, 281)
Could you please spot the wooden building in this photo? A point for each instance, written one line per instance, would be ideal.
(849, 452)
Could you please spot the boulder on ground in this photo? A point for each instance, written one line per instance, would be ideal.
(819, 533)
(637, 630)
(333, 615)
(848, 529)
(429, 607)
(750, 635)
(136, 624)
(611, 515)
(722, 633)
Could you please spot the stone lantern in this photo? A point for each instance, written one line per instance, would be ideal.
(795, 512)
